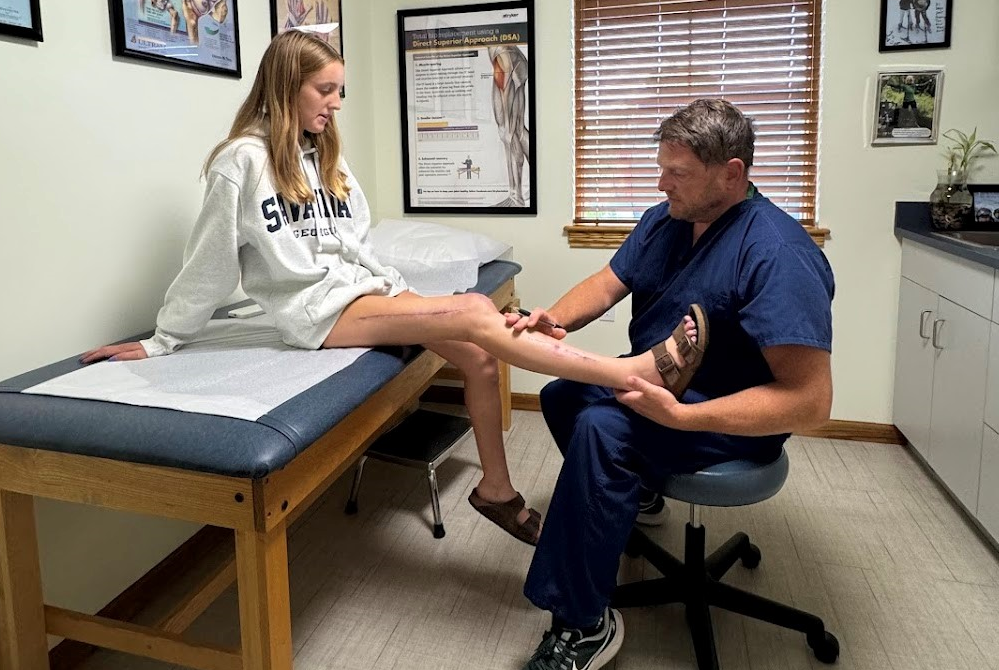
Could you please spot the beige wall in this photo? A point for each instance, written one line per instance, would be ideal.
(100, 192)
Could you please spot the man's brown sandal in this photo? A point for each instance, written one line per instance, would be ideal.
(675, 378)
(505, 515)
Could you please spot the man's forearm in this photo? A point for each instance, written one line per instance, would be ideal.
(770, 409)
(587, 300)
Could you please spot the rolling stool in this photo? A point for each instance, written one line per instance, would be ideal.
(423, 440)
(695, 581)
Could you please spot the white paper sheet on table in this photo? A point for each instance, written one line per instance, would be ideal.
(235, 368)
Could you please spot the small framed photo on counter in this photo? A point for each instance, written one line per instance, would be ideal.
(985, 204)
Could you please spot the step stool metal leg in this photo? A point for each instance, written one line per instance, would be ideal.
(355, 488)
(436, 503)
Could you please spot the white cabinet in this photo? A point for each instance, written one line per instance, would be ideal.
(943, 373)
(914, 364)
(988, 490)
(961, 346)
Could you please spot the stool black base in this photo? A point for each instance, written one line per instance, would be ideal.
(695, 583)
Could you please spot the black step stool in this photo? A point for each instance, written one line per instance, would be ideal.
(423, 440)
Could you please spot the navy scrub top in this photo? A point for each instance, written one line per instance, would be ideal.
(759, 275)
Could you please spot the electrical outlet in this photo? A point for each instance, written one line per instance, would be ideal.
(609, 314)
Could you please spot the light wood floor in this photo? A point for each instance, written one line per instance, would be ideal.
(860, 535)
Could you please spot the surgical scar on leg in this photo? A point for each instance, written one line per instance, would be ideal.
(411, 315)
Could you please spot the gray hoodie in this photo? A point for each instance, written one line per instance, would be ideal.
(302, 263)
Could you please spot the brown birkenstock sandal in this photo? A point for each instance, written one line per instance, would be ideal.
(505, 514)
(675, 378)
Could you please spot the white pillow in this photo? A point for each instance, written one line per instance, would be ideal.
(434, 259)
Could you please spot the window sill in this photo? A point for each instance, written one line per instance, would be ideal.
(611, 237)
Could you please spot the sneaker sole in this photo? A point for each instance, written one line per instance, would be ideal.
(657, 519)
(608, 653)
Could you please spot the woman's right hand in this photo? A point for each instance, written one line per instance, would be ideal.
(129, 351)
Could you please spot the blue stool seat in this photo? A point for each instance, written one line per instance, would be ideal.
(695, 581)
(730, 484)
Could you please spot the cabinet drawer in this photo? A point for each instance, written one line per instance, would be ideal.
(961, 281)
(988, 490)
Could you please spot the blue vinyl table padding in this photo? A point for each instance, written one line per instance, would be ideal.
(201, 442)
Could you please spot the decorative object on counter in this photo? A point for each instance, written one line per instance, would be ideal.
(907, 107)
(915, 24)
(985, 205)
(21, 18)
(951, 203)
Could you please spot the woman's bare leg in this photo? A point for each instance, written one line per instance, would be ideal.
(480, 371)
(412, 319)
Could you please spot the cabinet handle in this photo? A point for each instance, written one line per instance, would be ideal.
(922, 323)
(937, 325)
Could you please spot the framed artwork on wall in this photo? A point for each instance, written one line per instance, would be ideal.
(323, 17)
(193, 34)
(21, 18)
(915, 24)
(466, 80)
(907, 107)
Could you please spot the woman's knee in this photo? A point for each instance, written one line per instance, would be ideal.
(483, 365)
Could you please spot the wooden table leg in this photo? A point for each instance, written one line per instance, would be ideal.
(264, 604)
(505, 398)
(23, 644)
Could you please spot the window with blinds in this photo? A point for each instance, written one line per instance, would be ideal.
(638, 60)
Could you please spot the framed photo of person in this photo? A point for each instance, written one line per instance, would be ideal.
(466, 88)
(915, 24)
(21, 18)
(194, 34)
(985, 205)
(907, 107)
(323, 17)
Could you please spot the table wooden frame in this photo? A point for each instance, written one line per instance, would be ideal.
(259, 512)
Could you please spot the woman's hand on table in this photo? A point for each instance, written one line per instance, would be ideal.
(129, 351)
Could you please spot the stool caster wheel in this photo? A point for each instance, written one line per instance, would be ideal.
(351, 507)
(751, 557)
(825, 648)
(438, 530)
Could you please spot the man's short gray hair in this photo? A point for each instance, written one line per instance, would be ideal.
(715, 130)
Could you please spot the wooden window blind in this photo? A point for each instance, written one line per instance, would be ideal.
(639, 60)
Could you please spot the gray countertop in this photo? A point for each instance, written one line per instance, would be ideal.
(912, 221)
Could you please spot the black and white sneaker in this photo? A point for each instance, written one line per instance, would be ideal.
(569, 649)
(652, 509)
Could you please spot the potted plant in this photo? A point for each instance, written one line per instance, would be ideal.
(950, 202)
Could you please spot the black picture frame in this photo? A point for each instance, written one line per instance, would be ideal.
(279, 11)
(31, 32)
(985, 200)
(905, 25)
(121, 42)
(462, 53)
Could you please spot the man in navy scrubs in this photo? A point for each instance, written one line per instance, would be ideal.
(767, 290)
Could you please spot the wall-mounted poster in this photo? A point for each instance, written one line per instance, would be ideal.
(915, 24)
(467, 94)
(21, 18)
(196, 34)
(322, 17)
(907, 107)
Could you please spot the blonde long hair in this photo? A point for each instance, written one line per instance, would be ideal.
(291, 58)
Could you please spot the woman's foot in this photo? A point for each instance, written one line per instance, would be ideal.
(672, 363)
(512, 514)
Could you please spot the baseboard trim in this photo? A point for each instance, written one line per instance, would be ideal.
(69, 654)
(855, 431)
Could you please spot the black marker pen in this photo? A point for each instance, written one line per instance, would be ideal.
(524, 312)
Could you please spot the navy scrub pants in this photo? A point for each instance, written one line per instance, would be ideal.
(610, 452)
